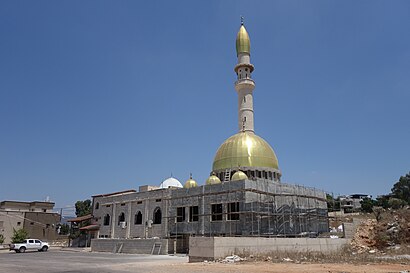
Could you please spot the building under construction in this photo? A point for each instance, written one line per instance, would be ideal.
(243, 196)
(236, 208)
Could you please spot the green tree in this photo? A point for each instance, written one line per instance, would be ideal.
(367, 204)
(401, 189)
(19, 235)
(1, 239)
(83, 207)
(383, 201)
(333, 204)
(64, 229)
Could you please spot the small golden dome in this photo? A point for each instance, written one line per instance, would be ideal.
(245, 149)
(243, 43)
(239, 175)
(190, 183)
(213, 179)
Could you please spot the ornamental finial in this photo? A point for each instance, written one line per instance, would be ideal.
(241, 20)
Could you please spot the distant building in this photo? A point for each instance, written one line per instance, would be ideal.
(352, 203)
(36, 217)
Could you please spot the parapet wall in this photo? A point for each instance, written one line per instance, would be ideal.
(202, 248)
(131, 246)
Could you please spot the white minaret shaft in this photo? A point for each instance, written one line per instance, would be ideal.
(244, 84)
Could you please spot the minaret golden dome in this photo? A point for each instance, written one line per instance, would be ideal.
(243, 43)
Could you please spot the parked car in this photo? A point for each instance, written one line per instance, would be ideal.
(29, 244)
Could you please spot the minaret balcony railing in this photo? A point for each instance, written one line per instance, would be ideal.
(250, 66)
(245, 81)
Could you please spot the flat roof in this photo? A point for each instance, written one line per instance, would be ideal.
(114, 193)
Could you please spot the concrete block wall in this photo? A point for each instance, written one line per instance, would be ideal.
(130, 204)
(131, 246)
(201, 248)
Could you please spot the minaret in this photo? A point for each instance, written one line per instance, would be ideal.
(244, 84)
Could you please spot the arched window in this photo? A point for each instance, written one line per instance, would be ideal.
(97, 205)
(107, 220)
(138, 218)
(157, 216)
(121, 218)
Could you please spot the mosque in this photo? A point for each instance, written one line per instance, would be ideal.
(243, 196)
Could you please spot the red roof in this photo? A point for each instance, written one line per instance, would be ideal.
(81, 218)
(91, 227)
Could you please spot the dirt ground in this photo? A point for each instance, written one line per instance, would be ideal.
(260, 267)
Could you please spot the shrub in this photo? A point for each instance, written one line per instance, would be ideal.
(19, 236)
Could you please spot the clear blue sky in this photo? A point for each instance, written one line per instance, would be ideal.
(103, 96)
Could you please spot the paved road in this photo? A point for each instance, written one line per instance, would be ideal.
(56, 261)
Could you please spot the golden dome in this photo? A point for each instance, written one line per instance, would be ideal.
(245, 149)
(190, 183)
(239, 175)
(243, 43)
(213, 179)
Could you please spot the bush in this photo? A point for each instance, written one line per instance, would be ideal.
(1, 238)
(19, 236)
(396, 203)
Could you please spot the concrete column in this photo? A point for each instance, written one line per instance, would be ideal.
(203, 212)
(113, 218)
(128, 231)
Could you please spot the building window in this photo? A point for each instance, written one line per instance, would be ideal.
(122, 204)
(121, 218)
(97, 205)
(107, 206)
(216, 212)
(158, 200)
(157, 216)
(139, 202)
(18, 223)
(233, 211)
(193, 214)
(181, 214)
(244, 99)
(107, 220)
(138, 218)
(32, 223)
(44, 210)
